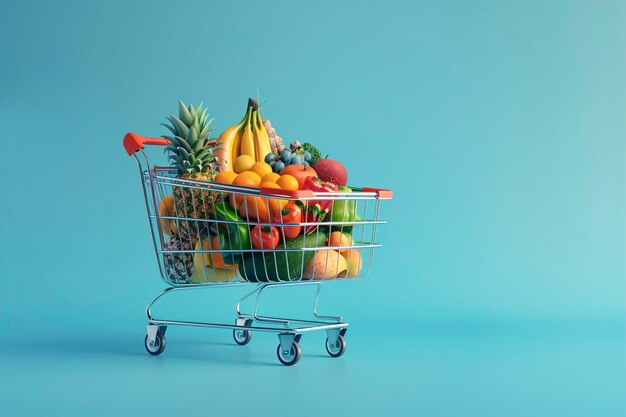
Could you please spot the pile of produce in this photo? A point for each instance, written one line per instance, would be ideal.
(251, 154)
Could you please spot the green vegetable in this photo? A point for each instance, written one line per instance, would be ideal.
(316, 155)
(343, 211)
(237, 236)
(262, 267)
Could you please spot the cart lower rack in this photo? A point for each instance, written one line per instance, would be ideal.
(202, 234)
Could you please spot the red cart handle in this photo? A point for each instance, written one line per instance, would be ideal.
(381, 193)
(134, 142)
(288, 193)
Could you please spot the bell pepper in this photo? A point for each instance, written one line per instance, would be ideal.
(318, 186)
(312, 213)
(343, 211)
(237, 234)
(291, 213)
(265, 237)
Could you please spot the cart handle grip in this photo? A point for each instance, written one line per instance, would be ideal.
(288, 193)
(134, 142)
(381, 193)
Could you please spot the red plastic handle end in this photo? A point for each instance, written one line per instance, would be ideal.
(134, 142)
(381, 193)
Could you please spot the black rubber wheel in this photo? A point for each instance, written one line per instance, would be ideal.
(242, 337)
(159, 344)
(338, 349)
(290, 358)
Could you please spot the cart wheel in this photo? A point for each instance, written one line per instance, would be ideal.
(242, 337)
(158, 346)
(292, 356)
(338, 349)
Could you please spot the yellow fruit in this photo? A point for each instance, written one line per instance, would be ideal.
(226, 177)
(243, 163)
(247, 179)
(166, 208)
(338, 239)
(354, 262)
(271, 177)
(205, 269)
(247, 143)
(325, 264)
(261, 168)
(288, 182)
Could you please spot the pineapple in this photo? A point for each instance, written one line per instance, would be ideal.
(178, 266)
(191, 154)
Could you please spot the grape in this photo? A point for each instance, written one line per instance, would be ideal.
(270, 157)
(307, 156)
(285, 156)
(306, 163)
(278, 166)
(272, 164)
(295, 160)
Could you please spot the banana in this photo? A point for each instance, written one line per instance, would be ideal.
(248, 137)
(229, 149)
(262, 138)
(223, 154)
(247, 142)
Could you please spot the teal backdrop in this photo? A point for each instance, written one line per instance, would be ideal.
(500, 288)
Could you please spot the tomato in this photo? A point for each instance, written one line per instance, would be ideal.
(265, 237)
(290, 213)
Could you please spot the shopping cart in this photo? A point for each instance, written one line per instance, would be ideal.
(200, 241)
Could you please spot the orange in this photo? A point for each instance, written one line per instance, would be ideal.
(261, 168)
(275, 204)
(243, 163)
(338, 239)
(226, 177)
(248, 179)
(270, 184)
(271, 177)
(288, 182)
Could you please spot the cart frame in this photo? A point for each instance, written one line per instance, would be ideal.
(289, 330)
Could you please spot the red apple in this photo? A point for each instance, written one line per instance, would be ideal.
(331, 171)
(300, 172)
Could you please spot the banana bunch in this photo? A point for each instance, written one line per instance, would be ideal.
(248, 137)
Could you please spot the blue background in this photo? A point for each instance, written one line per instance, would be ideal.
(499, 125)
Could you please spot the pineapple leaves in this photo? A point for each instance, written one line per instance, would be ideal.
(198, 145)
(171, 129)
(192, 135)
(199, 110)
(202, 154)
(184, 114)
(171, 149)
(181, 128)
(183, 153)
(185, 144)
(205, 131)
(188, 148)
(174, 140)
